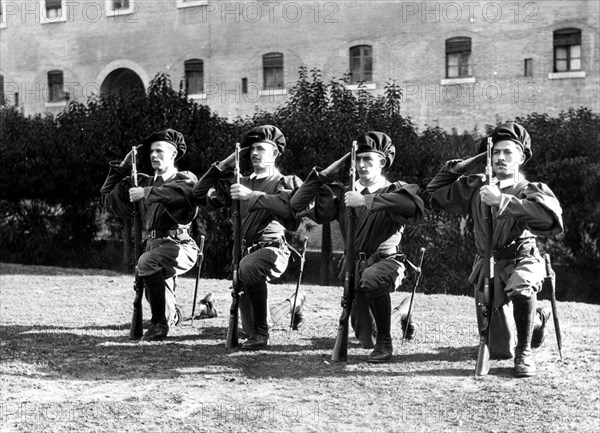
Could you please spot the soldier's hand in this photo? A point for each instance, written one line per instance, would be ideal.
(336, 166)
(490, 195)
(136, 194)
(354, 199)
(129, 157)
(228, 163)
(469, 163)
(240, 192)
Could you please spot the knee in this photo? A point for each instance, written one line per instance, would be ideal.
(248, 273)
(372, 285)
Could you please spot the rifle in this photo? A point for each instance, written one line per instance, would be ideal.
(551, 279)
(340, 349)
(236, 289)
(302, 260)
(199, 263)
(417, 270)
(483, 355)
(137, 328)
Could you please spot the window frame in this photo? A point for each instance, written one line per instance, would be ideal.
(278, 69)
(365, 76)
(191, 63)
(3, 14)
(61, 97)
(111, 11)
(45, 19)
(464, 56)
(182, 4)
(560, 39)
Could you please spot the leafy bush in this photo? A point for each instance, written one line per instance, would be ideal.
(50, 210)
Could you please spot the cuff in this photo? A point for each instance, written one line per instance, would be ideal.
(254, 198)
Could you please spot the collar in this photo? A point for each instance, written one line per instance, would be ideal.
(264, 174)
(166, 176)
(513, 180)
(371, 189)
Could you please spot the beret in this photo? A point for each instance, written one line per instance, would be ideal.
(170, 136)
(264, 134)
(377, 142)
(514, 132)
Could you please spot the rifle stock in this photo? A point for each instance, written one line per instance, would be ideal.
(232, 339)
(302, 260)
(340, 349)
(486, 306)
(551, 276)
(137, 327)
(418, 271)
(199, 261)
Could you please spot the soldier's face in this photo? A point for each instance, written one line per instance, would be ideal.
(162, 155)
(263, 155)
(369, 165)
(507, 157)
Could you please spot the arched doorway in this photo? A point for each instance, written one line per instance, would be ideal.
(122, 80)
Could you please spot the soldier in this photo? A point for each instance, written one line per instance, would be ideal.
(265, 215)
(167, 210)
(522, 211)
(382, 209)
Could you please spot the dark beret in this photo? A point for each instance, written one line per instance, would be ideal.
(264, 134)
(377, 142)
(510, 131)
(168, 135)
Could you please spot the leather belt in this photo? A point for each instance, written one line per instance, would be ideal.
(272, 244)
(154, 234)
(514, 250)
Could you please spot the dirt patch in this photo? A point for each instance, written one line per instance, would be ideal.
(67, 365)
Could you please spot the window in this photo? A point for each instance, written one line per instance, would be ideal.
(273, 71)
(191, 3)
(361, 64)
(2, 14)
(119, 7)
(194, 76)
(1, 89)
(120, 4)
(567, 50)
(458, 53)
(528, 68)
(55, 86)
(244, 85)
(53, 11)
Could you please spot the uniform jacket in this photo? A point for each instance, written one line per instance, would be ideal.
(164, 207)
(267, 214)
(379, 224)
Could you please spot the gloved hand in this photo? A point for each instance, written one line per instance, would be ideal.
(336, 166)
(126, 163)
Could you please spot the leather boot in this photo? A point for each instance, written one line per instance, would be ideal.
(524, 314)
(400, 314)
(381, 307)
(155, 289)
(362, 321)
(257, 295)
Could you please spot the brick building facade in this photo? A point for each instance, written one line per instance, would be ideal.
(460, 64)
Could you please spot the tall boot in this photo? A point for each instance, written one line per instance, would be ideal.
(362, 321)
(155, 288)
(524, 314)
(400, 314)
(381, 307)
(258, 296)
